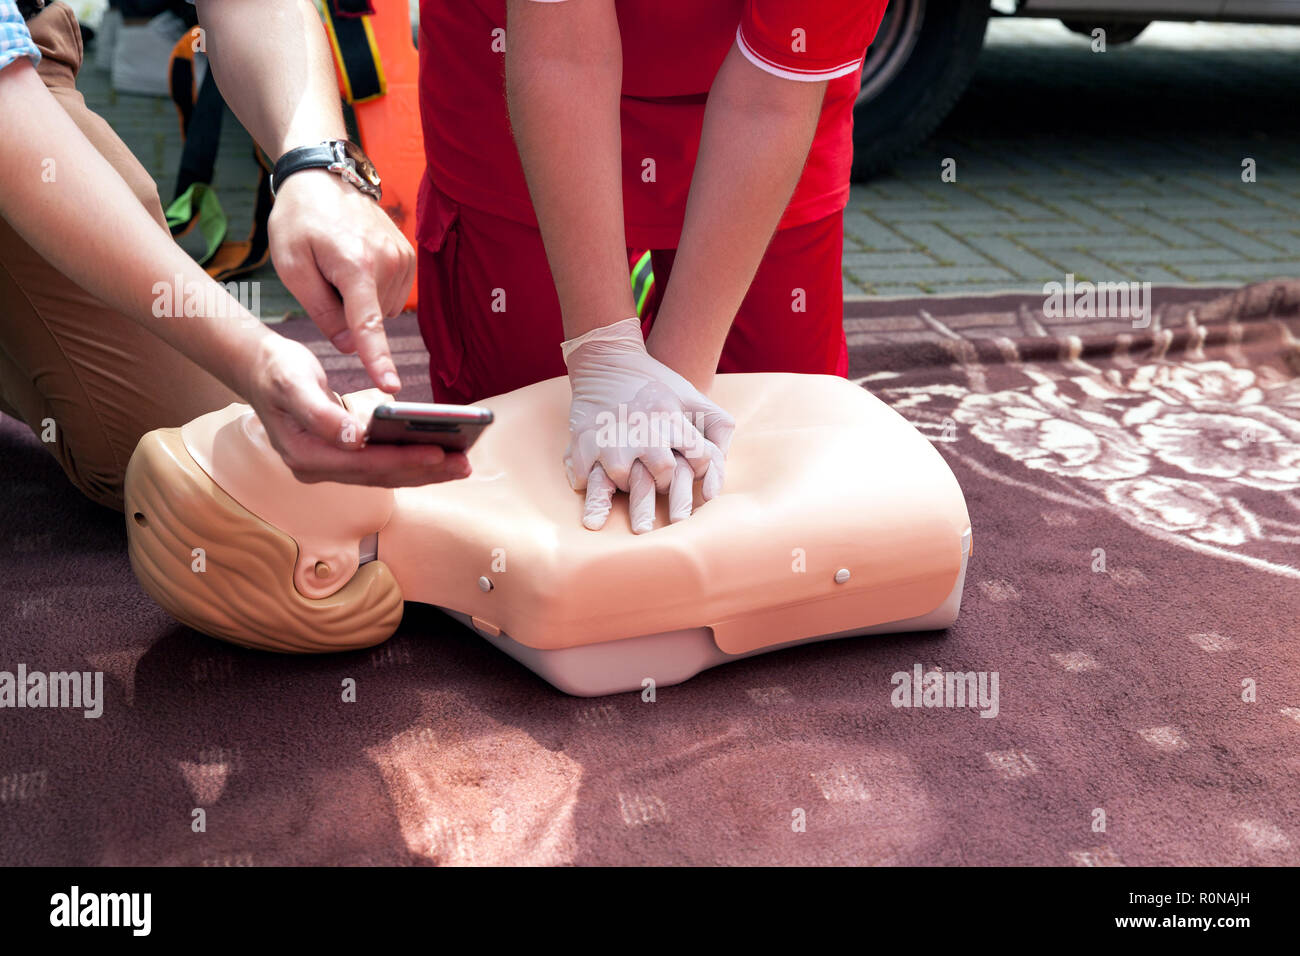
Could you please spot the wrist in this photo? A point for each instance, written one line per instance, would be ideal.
(311, 182)
(252, 354)
(341, 158)
(293, 138)
(696, 364)
(622, 336)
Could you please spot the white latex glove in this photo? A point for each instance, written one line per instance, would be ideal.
(635, 425)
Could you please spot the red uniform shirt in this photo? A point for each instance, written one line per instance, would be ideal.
(672, 50)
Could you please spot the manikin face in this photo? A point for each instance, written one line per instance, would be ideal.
(327, 520)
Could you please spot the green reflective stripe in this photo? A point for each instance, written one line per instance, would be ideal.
(198, 202)
(645, 294)
(643, 282)
(642, 269)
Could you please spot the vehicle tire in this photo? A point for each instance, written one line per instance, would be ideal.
(1116, 33)
(916, 69)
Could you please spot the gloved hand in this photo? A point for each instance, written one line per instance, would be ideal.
(635, 425)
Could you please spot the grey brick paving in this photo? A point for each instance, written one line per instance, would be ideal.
(1123, 165)
(1117, 166)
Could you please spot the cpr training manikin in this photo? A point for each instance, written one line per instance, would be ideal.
(837, 519)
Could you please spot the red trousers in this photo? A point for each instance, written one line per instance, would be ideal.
(491, 319)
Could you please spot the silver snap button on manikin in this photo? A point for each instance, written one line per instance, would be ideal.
(841, 575)
(485, 583)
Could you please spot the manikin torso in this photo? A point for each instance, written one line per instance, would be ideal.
(822, 479)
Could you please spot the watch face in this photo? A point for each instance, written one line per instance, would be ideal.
(365, 168)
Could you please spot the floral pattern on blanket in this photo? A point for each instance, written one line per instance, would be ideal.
(1185, 450)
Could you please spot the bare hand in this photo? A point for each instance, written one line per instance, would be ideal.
(319, 439)
(340, 255)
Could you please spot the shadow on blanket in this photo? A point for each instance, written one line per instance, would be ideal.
(1135, 587)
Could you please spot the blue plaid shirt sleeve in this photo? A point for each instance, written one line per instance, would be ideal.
(15, 41)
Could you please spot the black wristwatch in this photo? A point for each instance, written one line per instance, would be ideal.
(338, 156)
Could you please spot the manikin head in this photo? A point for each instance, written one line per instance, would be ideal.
(225, 538)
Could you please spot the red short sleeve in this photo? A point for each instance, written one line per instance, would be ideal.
(808, 39)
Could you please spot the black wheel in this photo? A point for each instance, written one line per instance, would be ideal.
(1115, 32)
(918, 66)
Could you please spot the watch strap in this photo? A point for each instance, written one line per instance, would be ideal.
(320, 156)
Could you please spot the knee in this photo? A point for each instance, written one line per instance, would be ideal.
(87, 457)
(106, 490)
(94, 472)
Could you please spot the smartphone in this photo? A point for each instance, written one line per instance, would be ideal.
(454, 427)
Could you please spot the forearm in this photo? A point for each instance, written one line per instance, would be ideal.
(56, 185)
(272, 61)
(563, 81)
(754, 144)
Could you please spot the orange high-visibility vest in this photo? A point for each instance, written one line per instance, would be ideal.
(378, 71)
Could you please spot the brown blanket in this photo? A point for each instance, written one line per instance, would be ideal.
(1135, 585)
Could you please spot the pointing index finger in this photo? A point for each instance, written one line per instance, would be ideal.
(366, 321)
